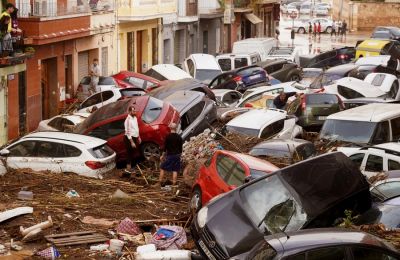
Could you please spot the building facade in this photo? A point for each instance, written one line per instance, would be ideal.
(211, 27)
(66, 35)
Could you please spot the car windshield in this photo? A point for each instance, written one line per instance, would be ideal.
(107, 81)
(348, 130)
(153, 110)
(243, 130)
(309, 76)
(324, 79)
(268, 152)
(207, 75)
(271, 207)
(316, 99)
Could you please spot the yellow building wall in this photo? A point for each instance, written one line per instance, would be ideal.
(140, 8)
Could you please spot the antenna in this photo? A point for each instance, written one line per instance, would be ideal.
(373, 111)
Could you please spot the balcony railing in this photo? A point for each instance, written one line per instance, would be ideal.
(241, 3)
(207, 6)
(53, 8)
(187, 8)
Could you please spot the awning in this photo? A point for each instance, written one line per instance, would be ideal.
(253, 18)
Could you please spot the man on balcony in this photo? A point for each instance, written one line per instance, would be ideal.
(5, 19)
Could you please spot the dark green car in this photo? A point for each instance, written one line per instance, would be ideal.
(313, 109)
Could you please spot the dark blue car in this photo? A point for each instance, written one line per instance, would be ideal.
(241, 79)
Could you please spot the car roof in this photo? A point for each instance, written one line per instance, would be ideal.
(252, 162)
(171, 72)
(315, 238)
(281, 144)
(286, 87)
(341, 69)
(362, 87)
(369, 113)
(221, 92)
(389, 146)
(182, 99)
(374, 60)
(87, 141)
(75, 118)
(272, 62)
(136, 75)
(205, 61)
(257, 118)
(173, 86)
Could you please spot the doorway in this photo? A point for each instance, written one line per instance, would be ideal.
(49, 88)
(139, 48)
(22, 102)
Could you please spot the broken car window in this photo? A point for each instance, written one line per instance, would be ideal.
(152, 111)
(23, 149)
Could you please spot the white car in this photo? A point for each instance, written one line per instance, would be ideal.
(375, 159)
(226, 97)
(287, 53)
(60, 152)
(167, 72)
(305, 8)
(321, 10)
(302, 26)
(105, 83)
(231, 61)
(62, 123)
(203, 67)
(108, 96)
(265, 124)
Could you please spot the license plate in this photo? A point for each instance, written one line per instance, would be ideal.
(322, 117)
(206, 251)
(254, 77)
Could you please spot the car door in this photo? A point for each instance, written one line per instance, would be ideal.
(223, 166)
(359, 159)
(70, 161)
(21, 155)
(195, 123)
(373, 165)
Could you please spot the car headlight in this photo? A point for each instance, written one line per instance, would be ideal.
(202, 217)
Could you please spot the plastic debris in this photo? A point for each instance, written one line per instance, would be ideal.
(116, 245)
(127, 226)
(49, 253)
(25, 195)
(72, 194)
(119, 194)
(101, 247)
(169, 237)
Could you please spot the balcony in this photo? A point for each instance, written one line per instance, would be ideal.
(139, 10)
(241, 3)
(210, 8)
(14, 52)
(187, 11)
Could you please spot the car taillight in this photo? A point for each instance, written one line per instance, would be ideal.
(343, 56)
(237, 78)
(94, 165)
(303, 103)
(248, 105)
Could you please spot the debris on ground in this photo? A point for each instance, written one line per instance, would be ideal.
(169, 237)
(12, 213)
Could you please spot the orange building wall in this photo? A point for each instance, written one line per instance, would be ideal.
(13, 108)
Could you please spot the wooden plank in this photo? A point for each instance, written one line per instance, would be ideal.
(76, 239)
(82, 242)
(70, 234)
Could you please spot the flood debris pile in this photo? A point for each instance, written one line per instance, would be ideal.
(74, 217)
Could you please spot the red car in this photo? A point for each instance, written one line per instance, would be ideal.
(126, 79)
(154, 117)
(225, 171)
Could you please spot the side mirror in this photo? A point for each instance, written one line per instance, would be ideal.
(4, 152)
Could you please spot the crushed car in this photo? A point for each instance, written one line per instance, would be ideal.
(284, 201)
(281, 69)
(63, 122)
(126, 79)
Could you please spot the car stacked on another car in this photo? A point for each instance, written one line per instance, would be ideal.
(63, 122)
(127, 79)
(281, 69)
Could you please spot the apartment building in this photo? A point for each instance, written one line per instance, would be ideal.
(66, 35)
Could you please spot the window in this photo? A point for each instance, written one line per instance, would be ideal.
(237, 176)
(393, 165)
(225, 64)
(357, 159)
(272, 129)
(305, 151)
(374, 163)
(331, 253)
(136, 82)
(107, 81)
(381, 133)
(108, 130)
(378, 79)
(97, 98)
(230, 97)
(195, 111)
(387, 190)
(395, 129)
(55, 123)
(129, 92)
(362, 253)
(71, 151)
(321, 99)
(50, 149)
(102, 151)
(224, 166)
(348, 93)
(23, 149)
(190, 66)
(240, 62)
(152, 111)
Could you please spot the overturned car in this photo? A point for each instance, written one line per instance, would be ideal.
(310, 194)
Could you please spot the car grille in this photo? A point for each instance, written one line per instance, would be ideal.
(208, 238)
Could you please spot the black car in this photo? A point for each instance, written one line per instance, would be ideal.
(309, 194)
(282, 70)
(330, 76)
(323, 244)
(356, 102)
(182, 84)
(386, 32)
(240, 79)
(329, 58)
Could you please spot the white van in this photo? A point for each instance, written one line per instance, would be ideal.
(167, 72)
(260, 45)
(230, 61)
(203, 67)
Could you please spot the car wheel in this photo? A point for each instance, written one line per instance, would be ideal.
(294, 77)
(195, 200)
(301, 30)
(151, 150)
(328, 29)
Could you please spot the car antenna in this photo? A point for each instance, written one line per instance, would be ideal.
(373, 111)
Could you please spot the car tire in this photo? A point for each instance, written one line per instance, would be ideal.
(328, 29)
(301, 30)
(195, 200)
(150, 150)
(294, 77)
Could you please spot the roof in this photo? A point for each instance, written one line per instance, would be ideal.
(266, 63)
(136, 75)
(257, 118)
(369, 113)
(373, 44)
(205, 61)
(182, 99)
(85, 140)
(253, 162)
(171, 72)
(314, 238)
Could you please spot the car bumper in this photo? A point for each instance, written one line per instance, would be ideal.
(307, 121)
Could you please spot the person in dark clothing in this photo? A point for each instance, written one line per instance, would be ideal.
(280, 101)
(171, 158)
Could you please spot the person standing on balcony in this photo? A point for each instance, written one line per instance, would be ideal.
(10, 8)
(95, 73)
(6, 43)
(93, 4)
(6, 39)
(16, 32)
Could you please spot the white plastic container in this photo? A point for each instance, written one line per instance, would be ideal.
(168, 254)
(116, 245)
(146, 249)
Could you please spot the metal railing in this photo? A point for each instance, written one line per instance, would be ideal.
(187, 7)
(208, 5)
(52, 8)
